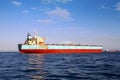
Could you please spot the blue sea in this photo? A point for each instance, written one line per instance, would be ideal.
(16, 66)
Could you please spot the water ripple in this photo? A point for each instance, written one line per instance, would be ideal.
(15, 66)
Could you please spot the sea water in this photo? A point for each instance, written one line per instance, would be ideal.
(16, 66)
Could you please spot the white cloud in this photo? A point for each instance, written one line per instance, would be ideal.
(45, 21)
(64, 1)
(56, 15)
(60, 14)
(102, 7)
(16, 3)
(25, 11)
(117, 6)
(33, 8)
(56, 1)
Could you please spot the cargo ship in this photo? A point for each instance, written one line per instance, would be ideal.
(36, 44)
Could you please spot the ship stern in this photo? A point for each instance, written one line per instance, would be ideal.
(19, 46)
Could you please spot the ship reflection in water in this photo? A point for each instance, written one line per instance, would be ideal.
(52, 66)
(36, 67)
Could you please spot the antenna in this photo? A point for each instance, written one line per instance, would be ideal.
(35, 32)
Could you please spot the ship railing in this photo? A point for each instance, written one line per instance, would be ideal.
(75, 45)
(65, 44)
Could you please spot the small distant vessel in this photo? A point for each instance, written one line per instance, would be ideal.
(37, 45)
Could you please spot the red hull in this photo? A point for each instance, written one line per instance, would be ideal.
(67, 51)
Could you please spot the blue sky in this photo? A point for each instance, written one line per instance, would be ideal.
(78, 21)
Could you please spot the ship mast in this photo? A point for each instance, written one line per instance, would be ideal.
(35, 33)
(28, 36)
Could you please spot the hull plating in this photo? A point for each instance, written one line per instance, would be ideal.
(47, 51)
